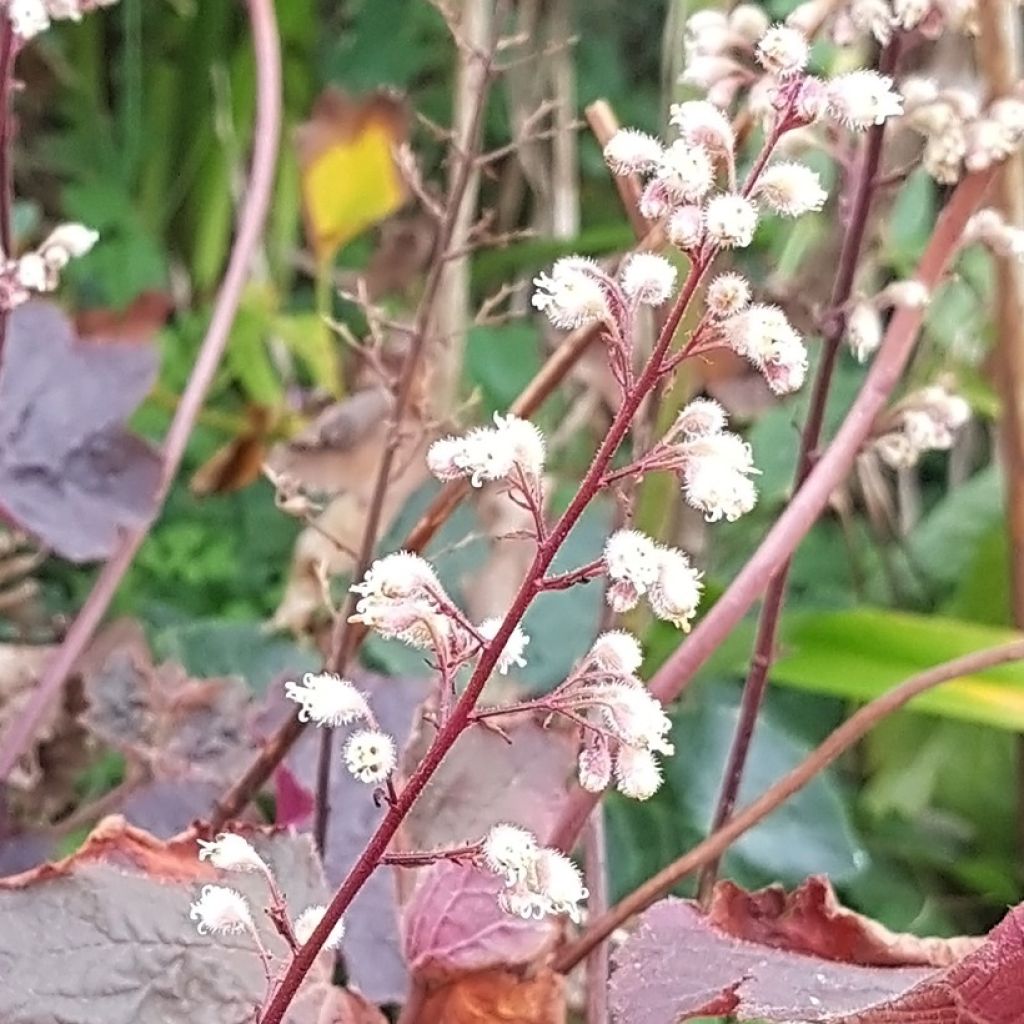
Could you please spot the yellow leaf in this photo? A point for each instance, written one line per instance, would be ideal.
(349, 177)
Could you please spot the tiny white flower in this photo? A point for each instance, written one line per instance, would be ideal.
(791, 189)
(686, 227)
(785, 367)
(618, 652)
(632, 557)
(305, 924)
(595, 767)
(728, 294)
(513, 653)
(716, 476)
(700, 418)
(860, 99)
(749, 22)
(231, 852)
(686, 171)
(327, 699)
(908, 294)
(510, 851)
(701, 123)
(910, 13)
(370, 755)
(757, 331)
(33, 274)
(28, 17)
(74, 240)
(648, 278)
(675, 595)
(655, 201)
(571, 295)
(560, 881)
(783, 51)
(730, 220)
(637, 773)
(633, 714)
(632, 152)
(221, 911)
(525, 441)
(863, 330)
(400, 574)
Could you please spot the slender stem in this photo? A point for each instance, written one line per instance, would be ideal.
(266, 134)
(598, 961)
(810, 438)
(835, 745)
(424, 858)
(8, 54)
(343, 635)
(807, 504)
(461, 714)
(565, 580)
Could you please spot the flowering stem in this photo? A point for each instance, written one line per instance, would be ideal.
(810, 438)
(596, 873)
(847, 735)
(461, 714)
(343, 637)
(807, 504)
(565, 580)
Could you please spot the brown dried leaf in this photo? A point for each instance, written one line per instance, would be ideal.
(104, 936)
(678, 965)
(238, 463)
(344, 1007)
(496, 996)
(137, 322)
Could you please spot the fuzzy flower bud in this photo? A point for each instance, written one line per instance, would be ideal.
(327, 699)
(648, 278)
(513, 653)
(730, 220)
(632, 152)
(783, 51)
(701, 123)
(637, 773)
(686, 227)
(686, 171)
(510, 851)
(863, 330)
(675, 594)
(791, 189)
(728, 294)
(595, 767)
(909, 294)
(370, 755)
(631, 557)
(617, 652)
(221, 911)
(231, 852)
(863, 98)
(305, 924)
(716, 476)
(560, 882)
(571, 295)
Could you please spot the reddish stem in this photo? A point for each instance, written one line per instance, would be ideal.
(774, 599)
(8, 54)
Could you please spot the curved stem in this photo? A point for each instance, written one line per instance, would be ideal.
(842, 739)
(810, 437)
(807, 504)
(266, 134)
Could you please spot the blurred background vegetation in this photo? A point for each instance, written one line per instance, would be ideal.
(137, 122)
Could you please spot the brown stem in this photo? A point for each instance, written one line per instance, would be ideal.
(266, 134)
(842, 739)
(466, 147)
(807, 504)
(771, 610)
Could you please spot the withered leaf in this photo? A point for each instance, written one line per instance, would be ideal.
(70, 473)
(497, 996)
(104, 937)
(678, 965)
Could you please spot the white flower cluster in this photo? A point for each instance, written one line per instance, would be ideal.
(490, 453)
(538, 881)
(760, 333)
(925, 421)
(232, 852)
(848, 20)
(327, 699)
(715, 465)
(638, 567)
(959, 134)
(715, 41)
(30, 17)
(221, 911)
(39, 271)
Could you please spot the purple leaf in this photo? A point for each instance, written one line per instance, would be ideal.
(678, 965)
(70, 473)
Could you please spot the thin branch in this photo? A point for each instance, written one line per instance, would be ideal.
(596, 873)
(8, 55)
(775, 597)
(342, 645)
(807, 504)
(266, 134)
(847, 735)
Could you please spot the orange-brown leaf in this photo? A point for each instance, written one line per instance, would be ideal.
(496, 996)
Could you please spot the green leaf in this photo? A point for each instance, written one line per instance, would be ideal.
(501, 361)
(219, 647)
(863, 653)
(909, 224)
